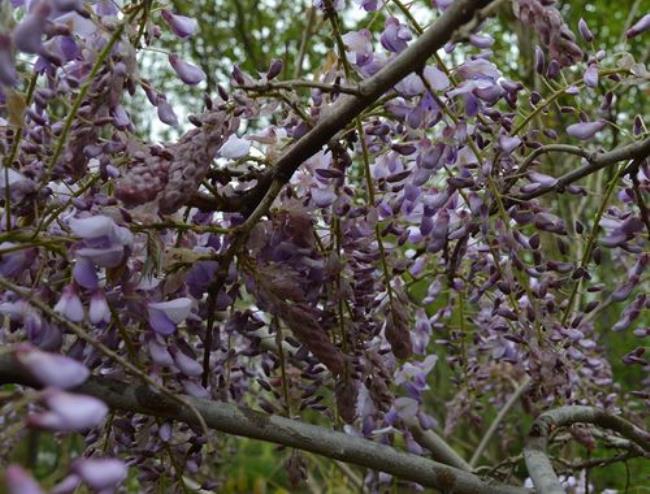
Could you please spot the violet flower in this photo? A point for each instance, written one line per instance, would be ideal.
(181, 26)
(101, 474)
(395, 36)
(69, 304)
(641, 26)
(51, 369)
(19, 481)
(585, 130)
(68, 412)
(187, 72)
(235, 148)
(104, 242)
(164, 316)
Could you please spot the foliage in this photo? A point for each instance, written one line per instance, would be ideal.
(227, 201)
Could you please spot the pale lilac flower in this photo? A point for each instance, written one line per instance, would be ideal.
(51, 369)
(101, 473)
(166, 113)
(436, 78)
(395, 36)
(368, 5)
(186, 364)
(68, 412)
(235, 148)
(164, 316)
(585, 130)
(509, 143)
(182, 26)
(591, 75)
(69, 305)
(481, 40)
(358, 46)
(585, 32)
(19, 481)
(99, 312)
(104, 242)
(187, 72)
(641, 26)
(14, 263)
(85, 274)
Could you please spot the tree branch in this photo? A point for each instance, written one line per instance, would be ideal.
(242, 421)
(638, 150)
(538, 463)
(350, 106)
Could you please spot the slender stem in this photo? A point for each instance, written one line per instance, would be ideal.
(487, 437)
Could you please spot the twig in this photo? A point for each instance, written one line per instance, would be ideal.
(440, 450)
(497, 421)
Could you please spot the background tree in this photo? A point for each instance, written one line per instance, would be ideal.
(406, 242)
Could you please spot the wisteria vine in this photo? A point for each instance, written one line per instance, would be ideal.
(317, 247)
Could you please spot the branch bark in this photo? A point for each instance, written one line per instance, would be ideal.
(537, 461)
(242, 421)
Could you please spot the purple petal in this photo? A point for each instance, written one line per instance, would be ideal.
(176, 310)
(585, 32)
(84, 273)
(51, 369)
(92, 226)
(322, 198)
(591, 75)
(274, 69)
(109, 257)
(641, 26)
(187, 365)
(182, 26)
(166, 113)
(19, 481)
(188, 73)
(29, 32)
(436, 78)
(235, 148)
(69, 305)
(481, 40)
(508, 144)
(101, 473)
(69, 412)
(99, 312)
(585, 130)
(160, 323)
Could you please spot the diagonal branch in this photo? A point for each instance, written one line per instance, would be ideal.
(350, 106)
(538, 463)
(242, 421)
(638, 150)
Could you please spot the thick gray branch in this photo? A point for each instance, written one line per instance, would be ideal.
(538, 463)
(241, 421)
